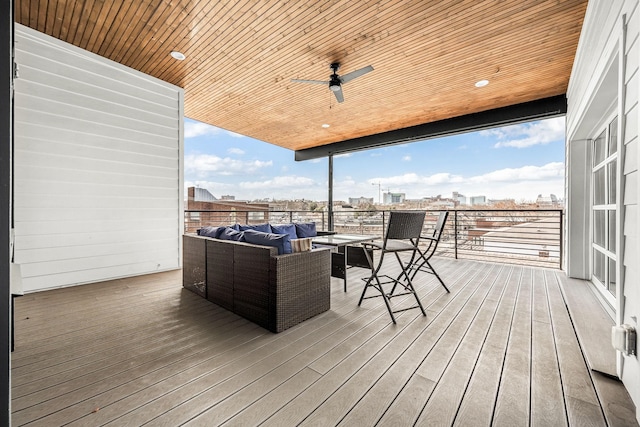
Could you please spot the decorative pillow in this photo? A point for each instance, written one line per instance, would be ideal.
(210, 231)
(265, 228)
(230, 234)
(301, 245)
(289, 229)
(280, 241)
(306, 229)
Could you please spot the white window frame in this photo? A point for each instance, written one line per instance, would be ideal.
(610, 206)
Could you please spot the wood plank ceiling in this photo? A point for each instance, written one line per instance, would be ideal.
(242, 55)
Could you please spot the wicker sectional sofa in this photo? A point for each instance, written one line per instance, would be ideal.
(253, 281)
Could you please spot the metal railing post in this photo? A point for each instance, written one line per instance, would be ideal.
(455, 233)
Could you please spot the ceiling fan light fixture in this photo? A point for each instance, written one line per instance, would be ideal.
(482, 83)
(178, 55)
(334, 87)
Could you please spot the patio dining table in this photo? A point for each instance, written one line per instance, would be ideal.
(348, 253)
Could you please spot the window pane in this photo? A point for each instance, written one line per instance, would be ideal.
(612, 170)
(612, 277)
(613, 136)
(598, 266)
(599, 227)
(612, 231)
(599, 148)
(599, 187)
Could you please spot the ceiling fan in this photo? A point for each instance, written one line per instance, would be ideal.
(335, 81)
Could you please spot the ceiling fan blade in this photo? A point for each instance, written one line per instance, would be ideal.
(319, 82)
(338, 94)
(357, 73)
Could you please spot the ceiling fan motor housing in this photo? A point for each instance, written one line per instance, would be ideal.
(334, 83)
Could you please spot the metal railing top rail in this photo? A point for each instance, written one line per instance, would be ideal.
(524, 236)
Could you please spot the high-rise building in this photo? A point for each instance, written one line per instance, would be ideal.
(393, 198)
(478, 200)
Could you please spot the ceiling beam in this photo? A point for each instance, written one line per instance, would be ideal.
(514, 114)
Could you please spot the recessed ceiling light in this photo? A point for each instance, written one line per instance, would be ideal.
(325, 125)
(482, 83)
(178, 55)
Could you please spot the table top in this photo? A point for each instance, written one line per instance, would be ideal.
(343, 239)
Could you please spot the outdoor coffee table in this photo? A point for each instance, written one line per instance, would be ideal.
(347, 253)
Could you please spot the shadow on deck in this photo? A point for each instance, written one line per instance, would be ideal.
(500, 349)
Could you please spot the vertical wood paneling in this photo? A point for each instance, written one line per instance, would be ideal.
(97, 166)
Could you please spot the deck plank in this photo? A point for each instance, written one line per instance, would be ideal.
(547, 404)
(442, 406)
(513, 400)
(372, 406)
(500, 349)
(478, 403)
(357, 365)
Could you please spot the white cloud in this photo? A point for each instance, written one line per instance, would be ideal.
(528, 134)
(406, 158)
(203, 165)
(193, 129)
(279, 187)
(525, 173)
(237, 151)
(523, 183)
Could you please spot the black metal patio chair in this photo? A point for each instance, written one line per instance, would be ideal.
(421, 261)
(402, 236)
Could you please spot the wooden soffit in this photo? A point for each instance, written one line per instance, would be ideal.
(241, 57)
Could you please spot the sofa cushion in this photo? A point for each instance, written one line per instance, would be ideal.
(230, 234)
(289, 229)
(265, 228)
(210, 231)
(306, 229)
(280, 241)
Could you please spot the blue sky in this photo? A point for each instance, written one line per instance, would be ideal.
(517, 162)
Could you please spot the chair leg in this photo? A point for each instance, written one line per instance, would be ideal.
(426, 264)
(436, 274)
(377, 286)
(407, 286)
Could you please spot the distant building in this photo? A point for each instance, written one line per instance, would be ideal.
(393, 198)
(212, 211)
(551, 200)
(478, 200)
(201, 195)
(227, 197)
(355, 201)
(459, 198)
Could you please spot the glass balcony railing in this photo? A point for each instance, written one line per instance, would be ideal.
(516, 236)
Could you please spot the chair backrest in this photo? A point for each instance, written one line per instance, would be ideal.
(405, 225)
(442, 219)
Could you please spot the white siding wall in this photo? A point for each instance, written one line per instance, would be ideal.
(98, 182)
(604, 38)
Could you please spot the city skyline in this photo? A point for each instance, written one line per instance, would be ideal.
(513, 162)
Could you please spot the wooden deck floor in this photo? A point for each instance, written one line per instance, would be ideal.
(500, 349)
